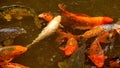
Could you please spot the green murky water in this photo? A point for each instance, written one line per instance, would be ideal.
(46, 54)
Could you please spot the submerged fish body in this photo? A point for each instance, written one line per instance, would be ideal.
(96, 54)
(18, 12)
(10, 33)
(13, 65)
(77, 59)
(7, 53)
(48, 30)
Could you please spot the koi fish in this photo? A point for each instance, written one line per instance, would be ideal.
(7, 53)
(70, 47)
(13, 65)
(18, 12)
(85, 19)
(77, 59)
(46, 16)
(64, 35)
(48, 30)
(97, 30)
(8, 34)
(96, 54)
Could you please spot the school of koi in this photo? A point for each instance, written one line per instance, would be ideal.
(99, 27)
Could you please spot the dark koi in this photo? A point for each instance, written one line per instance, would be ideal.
(18, 12)
(7, 34)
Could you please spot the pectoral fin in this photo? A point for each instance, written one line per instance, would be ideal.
(62, 48)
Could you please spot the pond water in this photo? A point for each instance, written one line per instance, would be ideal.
(46, 53)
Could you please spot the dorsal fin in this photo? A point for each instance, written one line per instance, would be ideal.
(84, 15)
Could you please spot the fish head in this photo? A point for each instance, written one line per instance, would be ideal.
(107, 20)
(46, 16)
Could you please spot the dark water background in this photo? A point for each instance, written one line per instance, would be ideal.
(46, 54)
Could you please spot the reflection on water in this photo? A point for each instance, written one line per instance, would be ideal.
(46, 53)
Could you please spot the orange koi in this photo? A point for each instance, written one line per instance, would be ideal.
(96, 54)
(7, 53)
(70, 47)
(85, 19)
(46, 16)
(13, 65)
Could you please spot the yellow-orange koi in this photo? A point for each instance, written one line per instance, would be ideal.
(7, 53)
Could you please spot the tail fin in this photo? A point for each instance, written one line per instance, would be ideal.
(62, 8)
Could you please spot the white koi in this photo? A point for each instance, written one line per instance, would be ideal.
(48, 30)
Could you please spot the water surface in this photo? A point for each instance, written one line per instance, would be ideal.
(46, 54)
